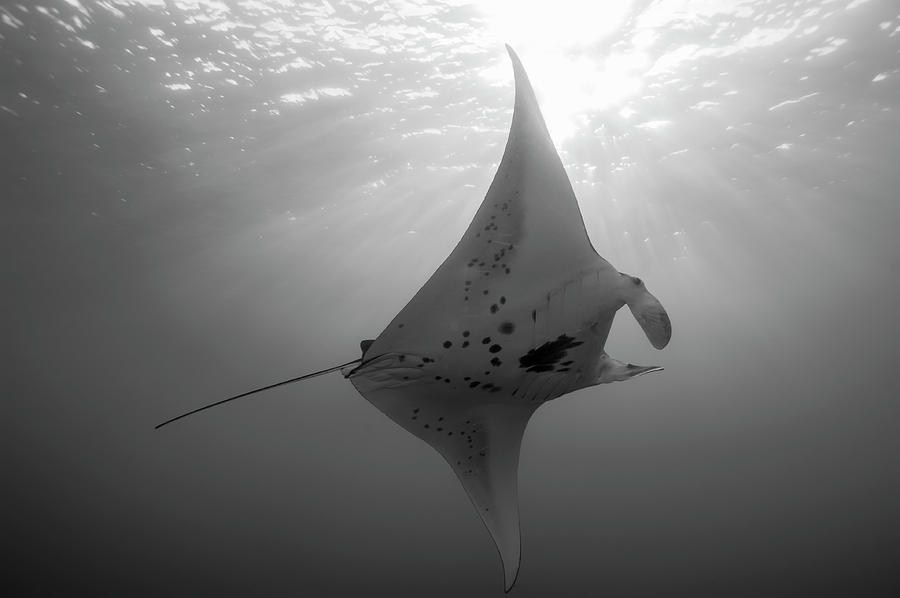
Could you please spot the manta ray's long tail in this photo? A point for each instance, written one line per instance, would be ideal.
(254, 391)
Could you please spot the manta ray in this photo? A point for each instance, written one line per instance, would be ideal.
(517, 315)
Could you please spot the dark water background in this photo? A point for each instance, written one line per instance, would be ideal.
(203, 197)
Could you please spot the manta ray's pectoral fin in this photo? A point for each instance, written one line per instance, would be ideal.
(613, 370)
(487, 466)
(480, 439)
(652, 317)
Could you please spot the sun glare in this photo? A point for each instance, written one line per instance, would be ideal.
(557, 42)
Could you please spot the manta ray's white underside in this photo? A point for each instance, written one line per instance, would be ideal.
(518, 314)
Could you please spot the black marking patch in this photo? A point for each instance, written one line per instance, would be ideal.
(506, 328)
(545, 357)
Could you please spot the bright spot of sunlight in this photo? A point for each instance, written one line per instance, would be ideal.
(561, 22)
(557, 42)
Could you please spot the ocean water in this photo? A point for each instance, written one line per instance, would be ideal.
(202, 197)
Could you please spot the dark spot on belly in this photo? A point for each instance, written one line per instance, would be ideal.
(465, 333)
(465, 344)
(498, 348)
(474, 384)
(545, 357)
(447, 344)
(494, 308)
(502, 300)
(485, 340)
(506, 328)
(496, 361)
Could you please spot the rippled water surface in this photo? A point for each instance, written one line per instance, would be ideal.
(200, 197)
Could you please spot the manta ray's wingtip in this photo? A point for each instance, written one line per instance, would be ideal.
(512, 54)
(511, 574)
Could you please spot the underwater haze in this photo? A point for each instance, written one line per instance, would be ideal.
(201, 197)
